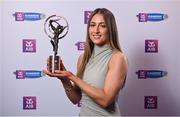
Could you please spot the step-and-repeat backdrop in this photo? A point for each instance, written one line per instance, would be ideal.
(0, 62)
(149, 33)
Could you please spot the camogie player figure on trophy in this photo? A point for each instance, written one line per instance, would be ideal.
(56, 28)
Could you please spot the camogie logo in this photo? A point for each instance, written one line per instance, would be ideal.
(143, 74)
(22, 74)
(29, 16)
(154, 17)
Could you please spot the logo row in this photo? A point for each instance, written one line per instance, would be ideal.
(30, 102)
(29, 45)
(142, 74)
(142, 17)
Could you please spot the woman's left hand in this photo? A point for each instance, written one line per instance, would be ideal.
(59, 73)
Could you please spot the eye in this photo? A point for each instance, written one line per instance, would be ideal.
(91, 25)
(103, 25)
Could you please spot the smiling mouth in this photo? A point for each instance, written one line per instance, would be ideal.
(96, 36)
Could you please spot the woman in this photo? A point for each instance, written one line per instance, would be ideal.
(101, 69)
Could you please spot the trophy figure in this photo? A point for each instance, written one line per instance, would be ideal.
(56, 28)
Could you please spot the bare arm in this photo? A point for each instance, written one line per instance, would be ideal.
(117, 70)
(72, 91)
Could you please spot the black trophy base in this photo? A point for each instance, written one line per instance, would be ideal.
(53, 63)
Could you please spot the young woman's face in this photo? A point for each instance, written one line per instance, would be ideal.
(98, 31)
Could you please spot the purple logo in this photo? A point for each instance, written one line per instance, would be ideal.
(150, 102)
(143, 74)
(87, 15)
(153, 17)
(29, 45)
(19, 16)
(20, 74)
(29, 102)
(143, 17)
(80, 45)
(29, 16)
(151, 46)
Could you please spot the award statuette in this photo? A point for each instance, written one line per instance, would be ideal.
(56, 28)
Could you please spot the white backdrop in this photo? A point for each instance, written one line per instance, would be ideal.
(0, 59)
(50, 96)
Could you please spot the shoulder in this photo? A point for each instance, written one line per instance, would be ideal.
(118, 58)
(117, 55)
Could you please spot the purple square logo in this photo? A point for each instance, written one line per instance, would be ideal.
(142, 74)
(150, 102)
(19, 16)
(29, 45)
(151, 46)
(29, 102)
(143, 17)
(87, 15)
(20, 74)
(80, 45)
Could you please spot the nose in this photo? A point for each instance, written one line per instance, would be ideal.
(96, 30)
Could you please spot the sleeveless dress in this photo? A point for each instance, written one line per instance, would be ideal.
(95, 74)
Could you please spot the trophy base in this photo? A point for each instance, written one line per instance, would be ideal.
(53, 63)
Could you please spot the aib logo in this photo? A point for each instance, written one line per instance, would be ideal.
(151, 46)
(29, 45)
(154, 17)
(150, 102)
(80, 45)
(29, 16)
(29, 102)
(87, 15)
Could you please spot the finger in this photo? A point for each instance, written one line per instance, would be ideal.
(45, 72)
(48, 73)
(59, 72)
(59, 75)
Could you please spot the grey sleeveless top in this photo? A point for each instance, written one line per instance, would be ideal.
(95, 74)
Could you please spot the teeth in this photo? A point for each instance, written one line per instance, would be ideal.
(96, 36)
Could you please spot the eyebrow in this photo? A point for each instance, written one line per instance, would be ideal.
(97, 22)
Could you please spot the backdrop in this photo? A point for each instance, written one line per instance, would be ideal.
(149, 32)
(1, 60)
